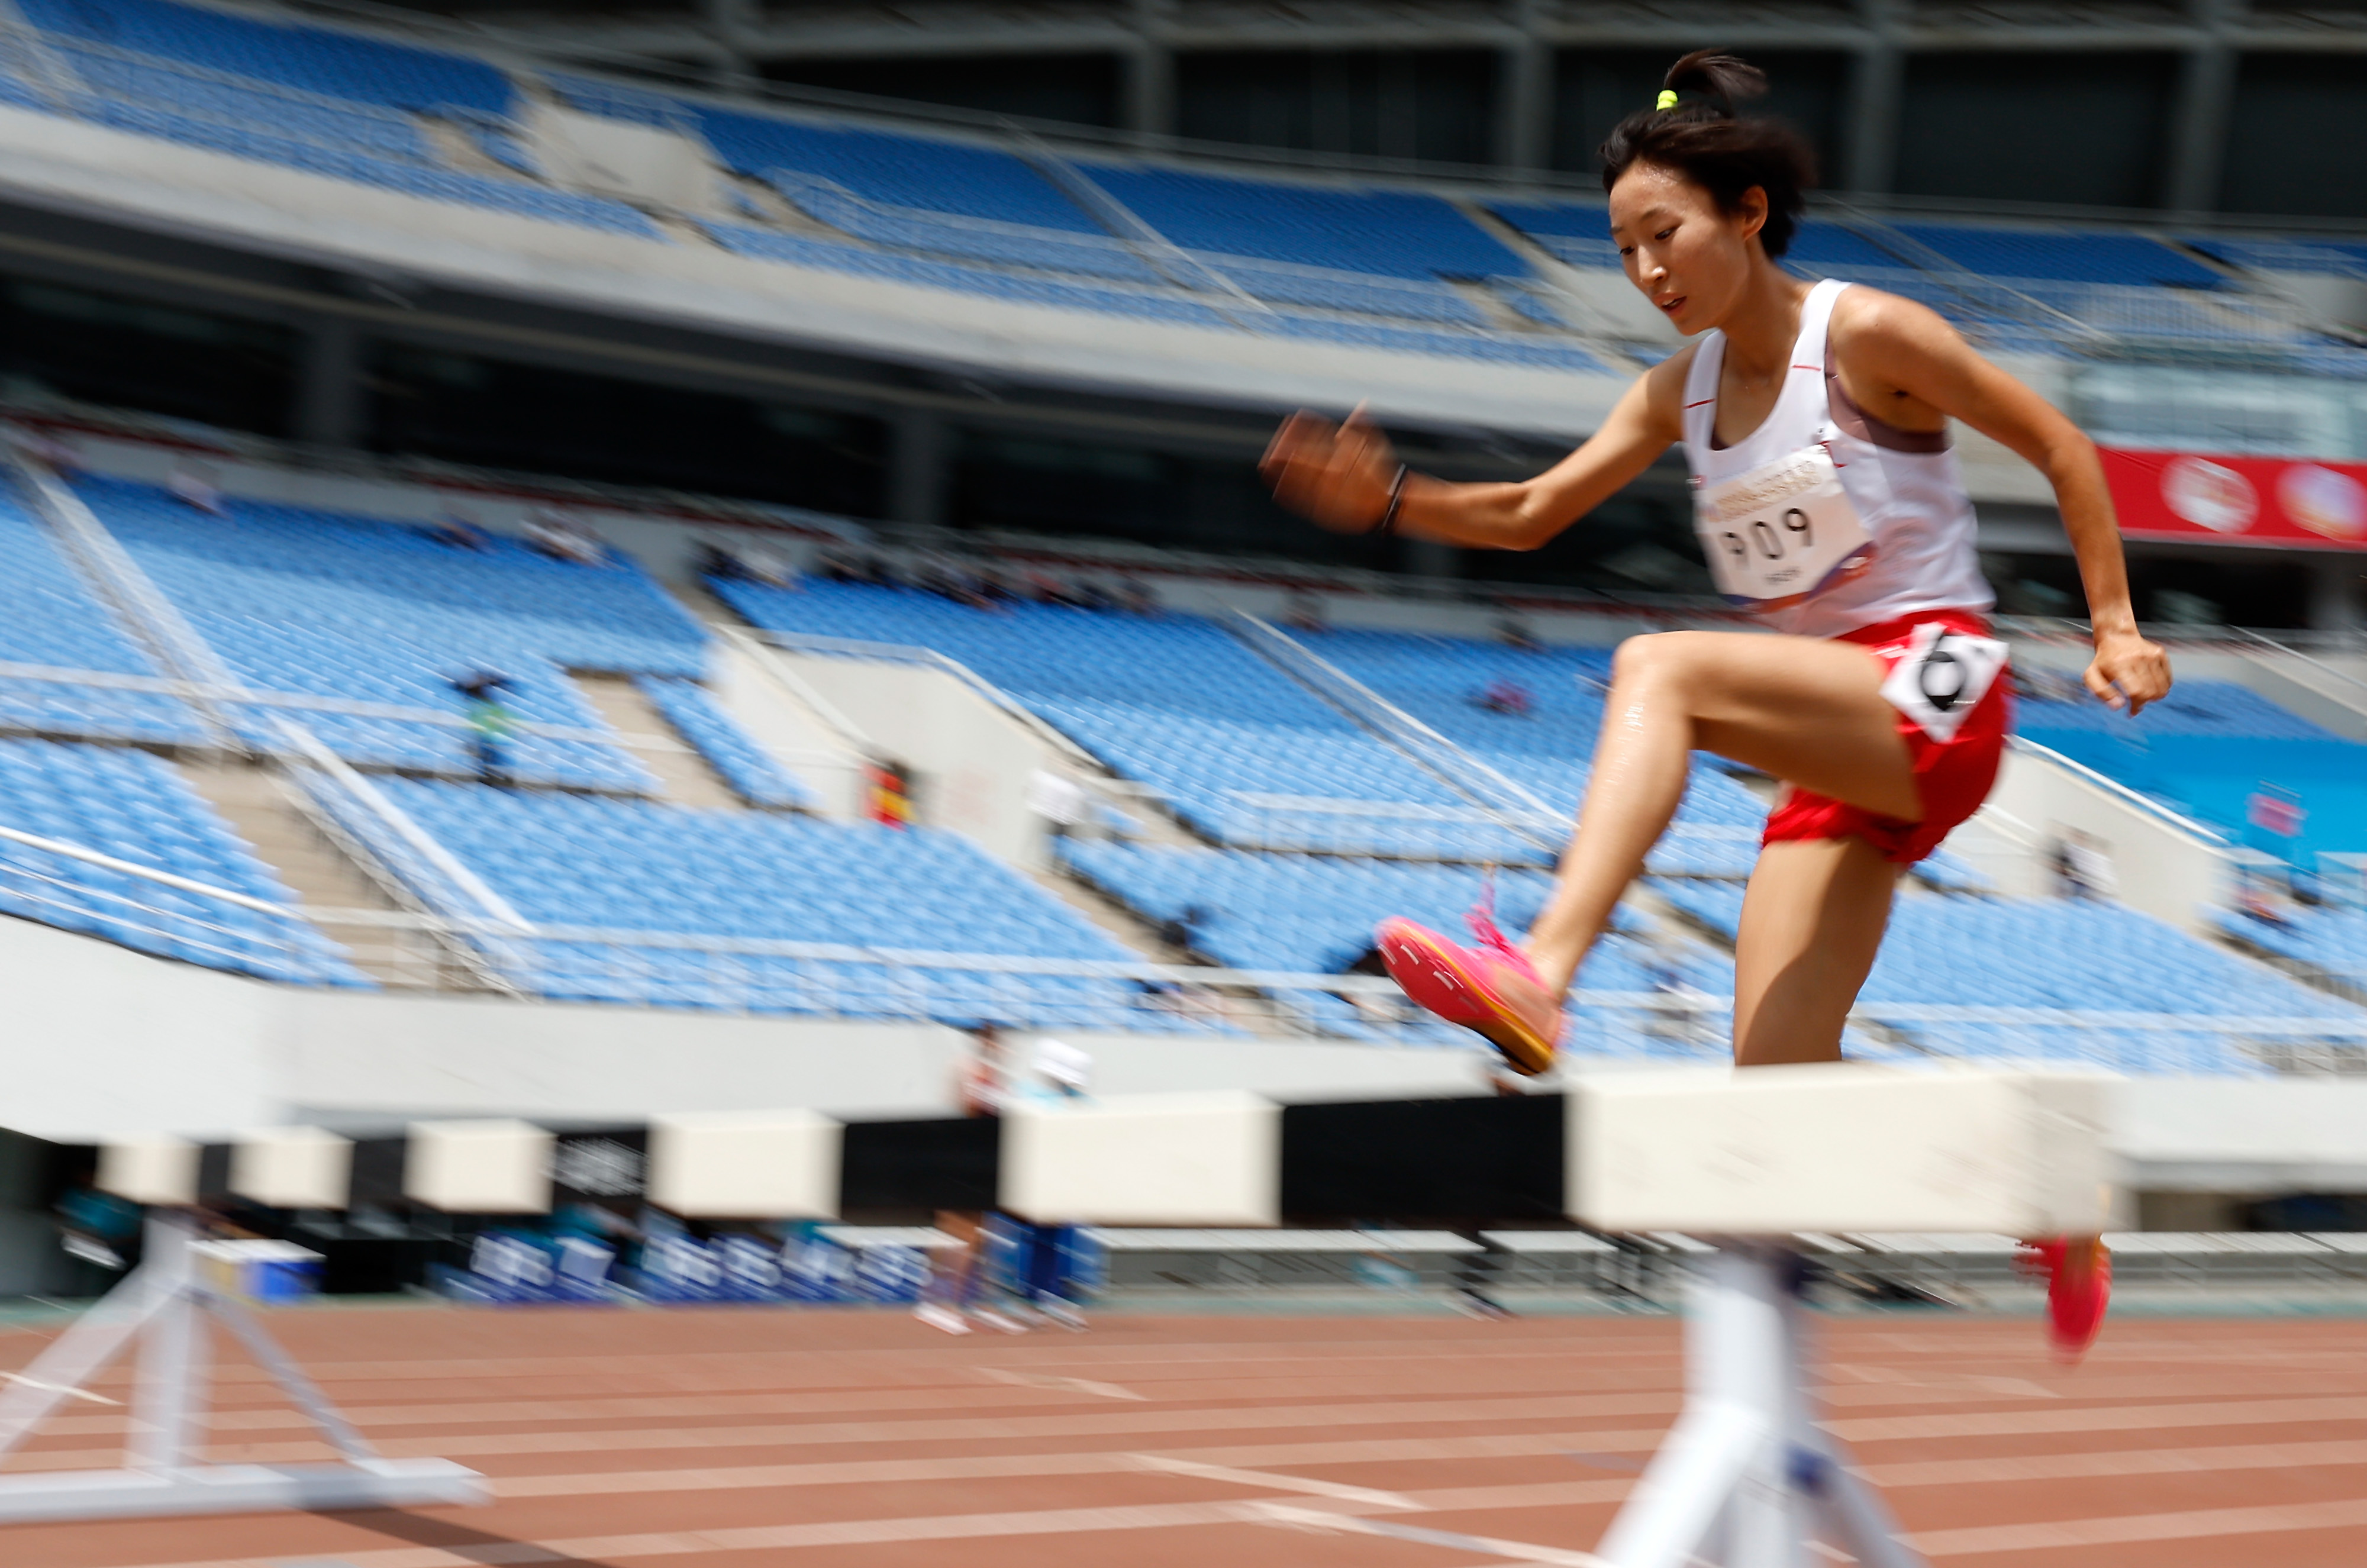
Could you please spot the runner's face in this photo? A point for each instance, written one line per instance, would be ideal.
(1690, 259)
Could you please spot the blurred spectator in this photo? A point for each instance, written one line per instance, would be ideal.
(195, 487)
(563, 538)
(1059, 799)
(1184, 930)
(2082, 869)
(887, 794)
(749, 561)
(491, 723)
(1504, 695)
(452, 528)
(980, 1088)
(2254, 897)
(1513, 633)
(1065, 1070)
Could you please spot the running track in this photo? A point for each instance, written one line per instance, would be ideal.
(848, 1439)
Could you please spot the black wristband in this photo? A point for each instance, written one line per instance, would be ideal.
(1388, 522)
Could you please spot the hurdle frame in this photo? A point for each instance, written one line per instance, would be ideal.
(163, 1305)
(1746, 1479)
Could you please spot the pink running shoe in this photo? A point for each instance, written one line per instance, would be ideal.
(1492, 990)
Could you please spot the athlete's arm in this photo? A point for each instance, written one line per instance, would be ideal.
(1339, 476)
(1901, 362)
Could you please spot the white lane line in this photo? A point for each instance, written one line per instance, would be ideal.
(1046, 1380)
(1307, 1484)
(1211, 1463)
(1344, 1515)
(1858, 1374)
(983, 1427)
(775, 1538)
(59, 1388)
(2131, 1461)
(1517, 1550)
(2107, 1418)
(2347, 1514)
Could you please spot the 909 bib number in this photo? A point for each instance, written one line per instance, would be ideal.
(1781, 533)
(1765, 538)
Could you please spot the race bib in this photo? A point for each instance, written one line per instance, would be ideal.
(1942, 676)
(1784, 532)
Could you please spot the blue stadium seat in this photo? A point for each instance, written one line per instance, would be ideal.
(1391, 233)
(744, 765)
(333, 63)
(340, 606)
(136, 808)
(608, 871)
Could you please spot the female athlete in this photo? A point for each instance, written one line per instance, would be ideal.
(1815, 418)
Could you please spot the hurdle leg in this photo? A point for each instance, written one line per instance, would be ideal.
(1723, 1471)
(174, 1359)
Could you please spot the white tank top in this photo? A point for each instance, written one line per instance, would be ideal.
(1903, 486)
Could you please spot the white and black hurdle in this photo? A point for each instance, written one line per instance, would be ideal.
(1745, 1159)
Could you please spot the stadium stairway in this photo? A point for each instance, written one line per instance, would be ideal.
(326, 880)
(684, 777)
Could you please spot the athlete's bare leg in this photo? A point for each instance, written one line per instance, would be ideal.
(1805, 710)
(1811, 923)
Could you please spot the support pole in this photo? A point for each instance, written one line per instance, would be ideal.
(1746, 1479)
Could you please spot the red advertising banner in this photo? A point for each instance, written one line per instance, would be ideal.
(2239, 501)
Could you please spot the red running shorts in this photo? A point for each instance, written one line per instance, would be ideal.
(1955, 757)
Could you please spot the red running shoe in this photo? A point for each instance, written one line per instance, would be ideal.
(1492, 988)
(2079, 1272)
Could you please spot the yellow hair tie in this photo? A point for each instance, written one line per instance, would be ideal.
(1667, 99)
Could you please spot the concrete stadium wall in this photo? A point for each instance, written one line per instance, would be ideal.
(104, 1041)
(2165, 868)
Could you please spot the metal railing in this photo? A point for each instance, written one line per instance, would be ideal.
(372, 831)
(77, 888)
(67, 885)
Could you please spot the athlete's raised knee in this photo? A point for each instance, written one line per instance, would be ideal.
(1657, 656)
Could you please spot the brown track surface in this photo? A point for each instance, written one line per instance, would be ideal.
(816, 1438)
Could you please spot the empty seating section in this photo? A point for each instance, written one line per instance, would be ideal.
(1948, 951)
(135, 807)
(750, 771)
(764, 245)
(353, 609)
(1409, 340)
(410, 179)
(48, 620)
(1175, 702)
(2194, 706)
(2312, 256)
(973, 239)
(928, 173)
(2206, 750)
(327, 102)
(230, 101)
(2063, 255)
(2332, 942)
(1390, 234)
(1546, 747)
(605, 871)
(1315, 914)
(315, 60)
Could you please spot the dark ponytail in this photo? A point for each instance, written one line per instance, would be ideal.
(1699, 137)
